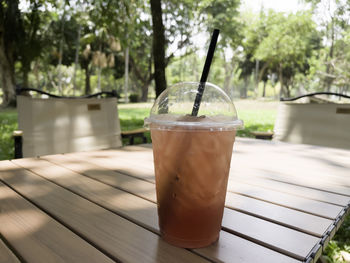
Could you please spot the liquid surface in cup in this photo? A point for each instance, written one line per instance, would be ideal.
(191, 168)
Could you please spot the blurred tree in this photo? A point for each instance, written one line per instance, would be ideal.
(253, 32)
(158, 46)
(173, 22)
(10, 23)
(288, 45)
(101, 25)
(34, 37)
(333, 21)
(224, 15)
(22, 38)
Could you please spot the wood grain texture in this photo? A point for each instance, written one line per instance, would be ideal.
(6, 254)
(299, 182)
(130, 206)
(321, 166)
(282, 239)
(287, 200)
(36, 236)
(101, 194)
(231, 248)
(269, 255)
(288, 217)
(300, 221)
(141, 167)
(117, 236)
(276, 195)
(310, 166)
(138, 164)
(79, 165)
(301, 191)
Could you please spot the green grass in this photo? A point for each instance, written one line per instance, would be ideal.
(8, 123)
(257, 116)
(262, 120)
(131, 117)
(340, 242)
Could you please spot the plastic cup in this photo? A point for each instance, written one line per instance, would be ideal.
(192, 158)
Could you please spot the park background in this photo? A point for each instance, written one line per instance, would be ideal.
(266, 50)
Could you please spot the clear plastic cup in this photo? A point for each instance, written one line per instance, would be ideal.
(192, 156)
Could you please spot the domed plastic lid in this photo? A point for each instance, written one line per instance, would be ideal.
(174, 107)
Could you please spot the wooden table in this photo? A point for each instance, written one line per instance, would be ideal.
(284, 203)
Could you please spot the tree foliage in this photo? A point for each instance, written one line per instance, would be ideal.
(42, 41)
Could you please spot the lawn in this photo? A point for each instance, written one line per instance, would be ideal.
(8, 123)
(257, 116)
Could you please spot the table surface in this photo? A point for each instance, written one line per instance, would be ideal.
(284, 203)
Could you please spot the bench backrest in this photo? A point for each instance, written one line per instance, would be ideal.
(312, 123)
(62, 125)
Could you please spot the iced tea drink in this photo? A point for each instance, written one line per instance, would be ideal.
(191, 168)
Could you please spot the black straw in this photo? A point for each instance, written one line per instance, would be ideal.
(205, 72)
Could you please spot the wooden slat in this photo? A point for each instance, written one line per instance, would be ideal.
(108, 160)
(284, 163)
(304, 222)
(321, 155)
(117, 236)
(127, 205)
(299, 203)
(36, 236)
(139, 165)
(99, 193)
(107, 176)
(294, 190)
(299, 179)
(292, 160)
(269, 255)
(143, 160)
(6, 254)
(316, 166)
(282, 239)
(231, 248)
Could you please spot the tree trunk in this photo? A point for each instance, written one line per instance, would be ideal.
(61, 52)
(329, 80)
(229, 67)
(264, 89)
(9, 28)
(7, 75)
(262, 72)
(144, 95)
(99, 69)
(288, 90)
(87, 80)
(257, 78)
(59, 74)
(126, 75)
(243, 91)
(8, 84)
(158, 46)
(25, 72)
(281, 80)
(76, 60)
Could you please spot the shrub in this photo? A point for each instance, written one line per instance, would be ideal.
(134, 97)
